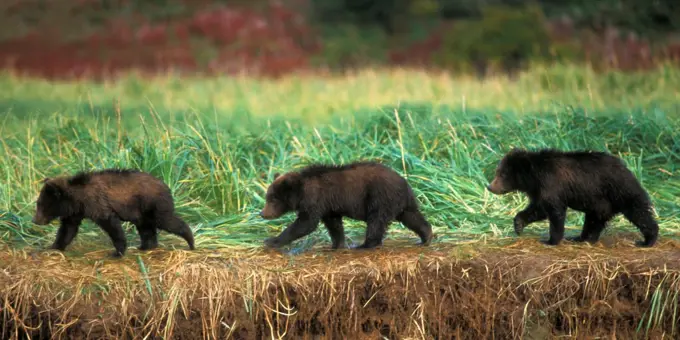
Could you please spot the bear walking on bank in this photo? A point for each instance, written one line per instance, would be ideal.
(365, 191)
(109, 197)
(596, 183)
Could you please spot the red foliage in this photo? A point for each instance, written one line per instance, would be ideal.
(420, 53)
(269, 43)
(672, 52)
(273, 43)
(613, 50)
(152, 35)
(182, 31)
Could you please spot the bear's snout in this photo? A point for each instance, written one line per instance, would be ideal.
(269, 213)
(39, 219)
(265, 215)
(495, 187)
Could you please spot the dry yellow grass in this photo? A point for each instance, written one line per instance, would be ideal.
(520, 289)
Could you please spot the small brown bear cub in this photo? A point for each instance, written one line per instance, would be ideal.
(596, 183)
(109, 197)
(364, 191)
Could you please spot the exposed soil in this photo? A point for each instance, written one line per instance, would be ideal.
(519, 290)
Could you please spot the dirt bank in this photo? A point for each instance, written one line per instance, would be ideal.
(518, 290)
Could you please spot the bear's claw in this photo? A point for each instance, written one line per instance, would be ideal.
(271, 242)
(519, 225)
(549, 242)
(56, 247)
(342, 245)
(116, 254)
(642, 244)
(576, 239)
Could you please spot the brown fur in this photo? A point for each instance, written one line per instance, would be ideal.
(596, 183)
(364, 191)
(109, 197)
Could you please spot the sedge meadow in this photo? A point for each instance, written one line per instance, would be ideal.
(217, 143)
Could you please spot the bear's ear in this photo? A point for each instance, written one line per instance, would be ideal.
(276, 175)
(520, 160)
(517, 151)
(292, 180)
(53, 190)
(56, 188)
(44, 180)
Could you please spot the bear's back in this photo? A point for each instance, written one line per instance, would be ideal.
(119, 185)
(353, 174)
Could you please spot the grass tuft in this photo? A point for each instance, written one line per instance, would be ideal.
(217, 143)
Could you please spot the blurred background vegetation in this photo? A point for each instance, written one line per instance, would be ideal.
(211, 139)
(275, 37)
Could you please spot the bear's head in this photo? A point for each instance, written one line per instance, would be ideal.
(283, 195)
(54, 201)
(514, 173)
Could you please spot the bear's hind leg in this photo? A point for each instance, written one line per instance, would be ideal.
(415, 221)
(175, 225)
(336, 230)
(115, 231)
(642, 218)
(148, 235)
(67, 232)
(376, 226)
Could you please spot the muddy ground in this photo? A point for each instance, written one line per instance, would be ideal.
(518, 289)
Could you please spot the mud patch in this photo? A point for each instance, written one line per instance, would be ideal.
(522, 289)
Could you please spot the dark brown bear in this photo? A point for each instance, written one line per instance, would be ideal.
(595, 183)
(109, 197)
(365, 191)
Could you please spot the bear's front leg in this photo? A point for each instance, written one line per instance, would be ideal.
(532, 213)
(556, 216)
(67, 232)
(303, 225)
(115, 231)
(336, 231)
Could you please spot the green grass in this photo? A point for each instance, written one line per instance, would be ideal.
(216, 142)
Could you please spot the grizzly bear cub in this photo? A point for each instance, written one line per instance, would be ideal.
(596, 183)
(109, 197)
(365, 191)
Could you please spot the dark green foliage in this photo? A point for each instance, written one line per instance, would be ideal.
(642, 16)
(466, 9)
(347, 46)
(504, 36)
(383, 13)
